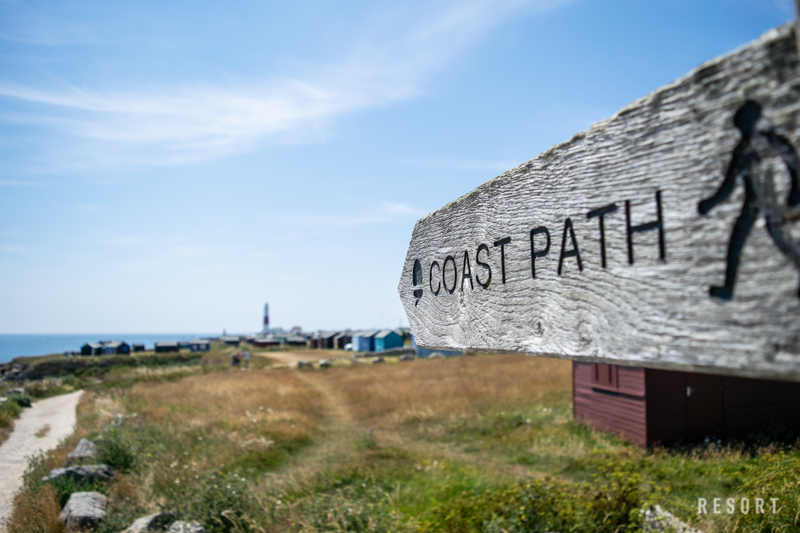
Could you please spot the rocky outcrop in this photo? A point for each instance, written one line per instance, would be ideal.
(378, 360)
(152, 522)
(84, 510)
(84, 450)
(82, 473)
(406, 357)
(186, 527)
(657, 520)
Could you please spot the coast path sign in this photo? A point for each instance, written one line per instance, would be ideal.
(666, 236)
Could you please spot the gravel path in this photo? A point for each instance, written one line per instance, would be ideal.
(31, 435)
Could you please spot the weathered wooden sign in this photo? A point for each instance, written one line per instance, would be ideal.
(665, 236)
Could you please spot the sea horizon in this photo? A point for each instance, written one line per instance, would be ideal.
(14, 345)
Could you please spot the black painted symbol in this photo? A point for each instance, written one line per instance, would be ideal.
(466, 272)
(658, 224)
(600, 214)
(759, 192)
(569, 253)
(502, 244)
(416, 278)
(450, 259)
(485, 266)
(430, 278)
(541, 253)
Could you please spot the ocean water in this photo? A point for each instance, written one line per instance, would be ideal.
(12, 346)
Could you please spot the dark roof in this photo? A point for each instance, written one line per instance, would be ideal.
(115, 344)
(94, 345)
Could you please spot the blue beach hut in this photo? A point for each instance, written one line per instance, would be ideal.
(364, 341)
(388, 339)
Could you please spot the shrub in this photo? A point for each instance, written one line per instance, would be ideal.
(221, 502)
(610, 504)
(772, 475)
(116, 451)
(64, 486)
(8, 412)
(23, 400)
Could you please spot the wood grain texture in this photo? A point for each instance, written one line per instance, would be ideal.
(658, 313)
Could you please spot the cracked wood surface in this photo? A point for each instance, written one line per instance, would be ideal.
(673, 148)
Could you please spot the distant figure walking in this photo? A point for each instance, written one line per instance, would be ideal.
(756, 147)
(235, 359)
(246, 360)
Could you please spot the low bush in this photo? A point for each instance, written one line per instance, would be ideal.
(23, 400)
(772, 475)
(611, 503)
(64, 486)
(222, 502)
(115, 450)
(9, 411)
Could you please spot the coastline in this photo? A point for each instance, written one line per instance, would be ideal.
(14, 345)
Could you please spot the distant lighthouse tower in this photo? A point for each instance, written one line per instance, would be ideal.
(266, 319)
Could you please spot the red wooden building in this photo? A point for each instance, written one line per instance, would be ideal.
(650, 407)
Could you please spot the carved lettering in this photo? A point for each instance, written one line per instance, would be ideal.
(483, 248)
(657, 224)
(502, 244)
(541, 230)
(466, 271)
(599, 213)
(439, 285)
(450, 259)
(569, 253)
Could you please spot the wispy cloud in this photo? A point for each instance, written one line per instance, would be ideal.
(180, 124)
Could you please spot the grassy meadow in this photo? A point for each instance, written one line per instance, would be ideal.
(473, 443)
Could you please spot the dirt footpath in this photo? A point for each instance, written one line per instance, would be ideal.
(38, 429)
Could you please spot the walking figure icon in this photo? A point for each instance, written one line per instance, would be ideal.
(750, 161)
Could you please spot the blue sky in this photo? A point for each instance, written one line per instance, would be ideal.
(172, 166)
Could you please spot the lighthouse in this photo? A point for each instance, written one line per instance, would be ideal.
(266, 319)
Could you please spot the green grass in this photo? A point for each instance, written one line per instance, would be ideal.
(266, 451)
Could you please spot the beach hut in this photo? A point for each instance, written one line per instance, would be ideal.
(341, 340)
(265, 342)
(91, 348)
(295, 340)
(137, 347)
(650, 407)
(388, 339)
(115, 347)
(326, 340)
(167, 346)
(364, 341)
(199, 346)
(230, 340)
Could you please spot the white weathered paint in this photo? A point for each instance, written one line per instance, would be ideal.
(677, 140)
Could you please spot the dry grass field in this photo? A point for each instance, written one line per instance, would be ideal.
(457, 445)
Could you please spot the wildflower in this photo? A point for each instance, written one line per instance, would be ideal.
(177, 481)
